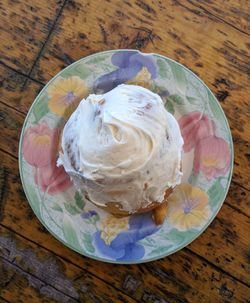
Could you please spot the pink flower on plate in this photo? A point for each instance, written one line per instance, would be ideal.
(212, 157)
(40, 145)
(194, 127)
(40, 149)
(52, 179)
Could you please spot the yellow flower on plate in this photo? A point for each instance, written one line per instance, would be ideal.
(143, 78)
(188, 207)
(65, 94)
(111, 227)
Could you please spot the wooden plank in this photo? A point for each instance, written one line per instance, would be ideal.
(17, 91)
(238, 198)
(2, 300)
(24, 27)
(17, 215)
(226, 243)
(14, 284)
(116, 25)
(236, 13)
(173, 276)
(48, 275)
(241, 140)
(11, 123)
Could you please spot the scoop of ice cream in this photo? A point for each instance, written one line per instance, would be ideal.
(122, 147)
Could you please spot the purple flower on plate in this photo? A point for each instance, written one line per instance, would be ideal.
(88, 214)
(123, 246)
(129, 64)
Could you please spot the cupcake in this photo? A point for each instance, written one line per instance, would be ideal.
(123, 151)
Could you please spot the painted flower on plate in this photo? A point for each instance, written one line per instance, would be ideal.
(65, 94)
(188, 207)
(212, 157)
(130, 65)
(89, 214)
(111, 227)
(194, 127)
(117, 237)
(40, 149)
(52, 179)
(40, 145)
(143, 78)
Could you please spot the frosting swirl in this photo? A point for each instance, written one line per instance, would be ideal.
(122, 147)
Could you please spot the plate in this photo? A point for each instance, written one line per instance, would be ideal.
(207, 159)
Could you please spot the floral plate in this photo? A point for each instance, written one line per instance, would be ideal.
(207, 159)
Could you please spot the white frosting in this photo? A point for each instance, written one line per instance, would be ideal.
(123, 147)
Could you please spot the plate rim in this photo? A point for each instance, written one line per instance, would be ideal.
(160, 256)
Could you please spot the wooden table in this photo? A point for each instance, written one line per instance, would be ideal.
(38, 39)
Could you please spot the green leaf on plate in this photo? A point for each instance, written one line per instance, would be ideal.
(215, 106)
(71, 208)
(191, 100)
(190, 234)
(180, 77)
(169, 107)
(70, 233)
(193, 179)
(162, 68)
(56, 207)
(180, 237)
(88, 243)
(79, 200)
(41, 108)
(216, 193)
(95, 218)
(34, 200)
(97, 59)
(82, 71)
(176, 236)
(176, 99)
(159, 250)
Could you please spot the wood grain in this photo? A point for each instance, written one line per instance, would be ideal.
(2, 300)
(225, 231)
(24, 27)
(235, 13)
(17, 284)
(11, 123)
(50, 276)
(117, 26)
(17, 91)
(238, 198)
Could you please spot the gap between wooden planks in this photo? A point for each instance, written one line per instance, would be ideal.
(25, 260)
(158, 278)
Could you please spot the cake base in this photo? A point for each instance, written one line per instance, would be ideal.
(159, 209)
